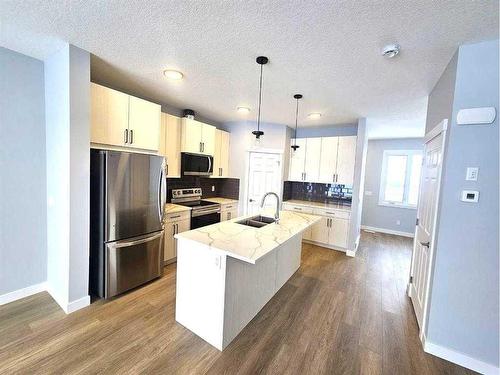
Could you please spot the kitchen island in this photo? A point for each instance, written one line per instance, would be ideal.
(226, 272)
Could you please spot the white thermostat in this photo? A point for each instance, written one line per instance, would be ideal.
(471, 196)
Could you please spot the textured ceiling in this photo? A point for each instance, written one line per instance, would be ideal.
(327, 50)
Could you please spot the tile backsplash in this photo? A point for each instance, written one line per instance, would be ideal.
(316, 192)
(224, 187)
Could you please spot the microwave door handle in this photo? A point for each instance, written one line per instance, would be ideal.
(209, 164)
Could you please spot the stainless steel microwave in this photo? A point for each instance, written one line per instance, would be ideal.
(196, 164)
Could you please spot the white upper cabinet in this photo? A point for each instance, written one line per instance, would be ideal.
(197, 137)
(170, 143)
(345, 160)
(297, 160)
(313, 152)
(144, 124)
(108, 116)
(328, 160)
(119, 119)
(221, 154)
(325, 160)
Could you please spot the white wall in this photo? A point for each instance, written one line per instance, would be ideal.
(67, 108)
(384, 217)
(358, 186)
(23, 221)
(276, 137)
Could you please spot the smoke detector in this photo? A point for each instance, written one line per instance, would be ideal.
(390, 50)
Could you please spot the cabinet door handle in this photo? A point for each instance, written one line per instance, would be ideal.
(175, 217)
(200, 146)
(167, 170)
(131, 136)
(126, 136)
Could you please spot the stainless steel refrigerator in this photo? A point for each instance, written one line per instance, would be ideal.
(127, 196)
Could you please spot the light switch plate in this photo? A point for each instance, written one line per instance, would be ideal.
(471, 174)
(470, 196)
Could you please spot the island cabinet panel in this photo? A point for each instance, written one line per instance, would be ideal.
(200, 290)
(218, 295)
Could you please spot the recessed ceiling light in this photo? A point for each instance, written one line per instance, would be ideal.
(243, 110)
(314, 116)
(391, 50)
(174, 75)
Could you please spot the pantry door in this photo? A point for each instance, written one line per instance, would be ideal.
(264, 175)
(427, 208)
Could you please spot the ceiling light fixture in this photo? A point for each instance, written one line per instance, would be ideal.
(261, 60)
(391, 50)
(174, 75)
(297, 97)
(314, 116)
(243, 110)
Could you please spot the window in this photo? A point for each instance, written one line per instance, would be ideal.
(400, 178)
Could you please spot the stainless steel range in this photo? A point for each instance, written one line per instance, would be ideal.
(202, 212)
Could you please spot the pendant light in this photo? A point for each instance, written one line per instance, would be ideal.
(297, 97)
(261, 60)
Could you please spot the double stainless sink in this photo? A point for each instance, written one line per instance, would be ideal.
(257, 221)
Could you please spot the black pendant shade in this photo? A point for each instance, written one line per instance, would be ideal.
(261, 60)
(296, 97)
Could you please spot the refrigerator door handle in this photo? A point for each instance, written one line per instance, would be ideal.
(119, 244)
(161, 194)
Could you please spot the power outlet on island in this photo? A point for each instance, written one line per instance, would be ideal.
(213, 187)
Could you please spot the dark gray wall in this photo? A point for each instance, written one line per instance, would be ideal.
(375, 215)
(23, 210)
(464, 304)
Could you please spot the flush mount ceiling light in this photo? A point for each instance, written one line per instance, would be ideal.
(314, 116)
(297, 97)
(390, 50)
(243, 110)
(261, 60)
(174, 75)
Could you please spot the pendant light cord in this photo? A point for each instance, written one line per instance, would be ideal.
(260, 98)
(296, 117)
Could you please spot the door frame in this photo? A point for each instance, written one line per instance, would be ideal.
(247, 173)
(439, 129)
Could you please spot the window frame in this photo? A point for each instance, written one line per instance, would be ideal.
(383, 178)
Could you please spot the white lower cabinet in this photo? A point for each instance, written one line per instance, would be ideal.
(174, 223)
(229, 211)
(331, 231)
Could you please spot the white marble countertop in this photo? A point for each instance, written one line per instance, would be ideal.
(248, 243)
(170, 208)
(221, 200)
(333, 206)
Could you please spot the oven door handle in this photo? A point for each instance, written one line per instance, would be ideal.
(197, 213)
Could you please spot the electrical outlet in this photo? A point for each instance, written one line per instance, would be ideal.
(471, 174)
(398, 222)
(213, 187)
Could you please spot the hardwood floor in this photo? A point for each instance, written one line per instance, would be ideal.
(336, 315)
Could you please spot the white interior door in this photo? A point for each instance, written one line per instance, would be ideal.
(424, 234)
(264, 175)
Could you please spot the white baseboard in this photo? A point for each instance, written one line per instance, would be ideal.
(388, 231)
(67, 306)
(78, 304)
(460, 359)
(22, 293)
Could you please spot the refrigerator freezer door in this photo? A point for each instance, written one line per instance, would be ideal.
(134, 194)
(132, 262)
